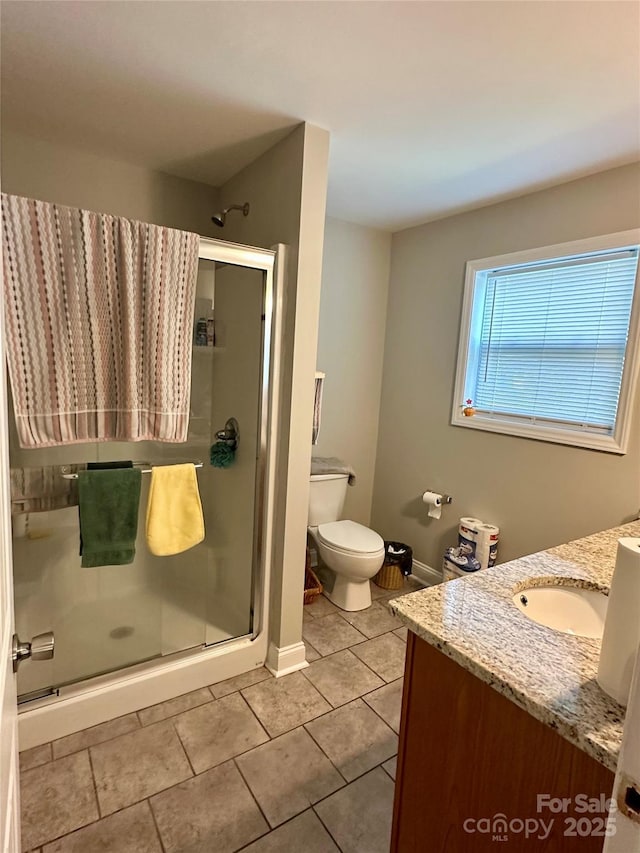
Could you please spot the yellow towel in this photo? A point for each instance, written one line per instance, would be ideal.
(174, 512)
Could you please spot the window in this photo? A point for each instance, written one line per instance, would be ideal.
(549, 343)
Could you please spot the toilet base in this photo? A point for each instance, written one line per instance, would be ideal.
(349, 594)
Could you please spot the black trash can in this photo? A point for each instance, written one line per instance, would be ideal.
(398, 561)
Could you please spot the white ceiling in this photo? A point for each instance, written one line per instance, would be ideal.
(433, 107)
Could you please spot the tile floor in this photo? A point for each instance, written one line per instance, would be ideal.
(258, 764)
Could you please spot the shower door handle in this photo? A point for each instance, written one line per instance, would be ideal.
(41, 647)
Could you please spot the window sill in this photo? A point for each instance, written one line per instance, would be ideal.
(555, 435)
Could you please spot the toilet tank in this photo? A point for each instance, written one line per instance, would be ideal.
(326, 497)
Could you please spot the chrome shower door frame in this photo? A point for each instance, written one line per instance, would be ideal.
(96, 700)
(261, 259)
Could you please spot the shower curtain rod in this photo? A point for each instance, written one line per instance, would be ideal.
(145, 470)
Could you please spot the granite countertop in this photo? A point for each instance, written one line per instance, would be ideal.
(550, 674)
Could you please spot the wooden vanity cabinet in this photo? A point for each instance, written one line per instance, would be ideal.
(467, 752)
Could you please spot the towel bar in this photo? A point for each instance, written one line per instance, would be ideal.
(145, 470)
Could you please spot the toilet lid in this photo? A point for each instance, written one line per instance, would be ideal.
(350, 536)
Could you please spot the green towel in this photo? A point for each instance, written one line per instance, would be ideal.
(108, 501)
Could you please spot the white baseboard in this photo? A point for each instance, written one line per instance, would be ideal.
(426, 574)
(282, 661)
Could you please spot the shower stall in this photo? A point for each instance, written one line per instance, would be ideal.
(129, 636)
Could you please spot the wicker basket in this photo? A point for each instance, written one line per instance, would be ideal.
(312, 586)
(389, 577)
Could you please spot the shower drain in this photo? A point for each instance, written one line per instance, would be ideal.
(121, 632)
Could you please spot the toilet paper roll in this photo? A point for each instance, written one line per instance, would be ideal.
(468, 535)
(434, 502)
(479, 540)
(471, 523)
(487, 545)
(621, 637)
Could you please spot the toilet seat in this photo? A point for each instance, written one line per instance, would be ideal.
(349, 537)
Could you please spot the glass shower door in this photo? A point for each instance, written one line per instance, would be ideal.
(237, 392)
(111, 617)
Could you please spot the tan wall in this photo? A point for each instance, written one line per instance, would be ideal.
(353, 308)
(286, 189)
(44, 170)
(539, 494)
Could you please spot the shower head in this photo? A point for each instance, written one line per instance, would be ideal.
(220, 218)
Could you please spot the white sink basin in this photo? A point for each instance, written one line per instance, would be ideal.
(570, 609)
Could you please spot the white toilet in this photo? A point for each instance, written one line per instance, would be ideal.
(350, 553)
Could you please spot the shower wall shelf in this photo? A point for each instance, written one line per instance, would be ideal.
(203, 348)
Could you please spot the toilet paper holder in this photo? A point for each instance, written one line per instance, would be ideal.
(446, 499)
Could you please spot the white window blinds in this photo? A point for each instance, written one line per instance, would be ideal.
(550, 340)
